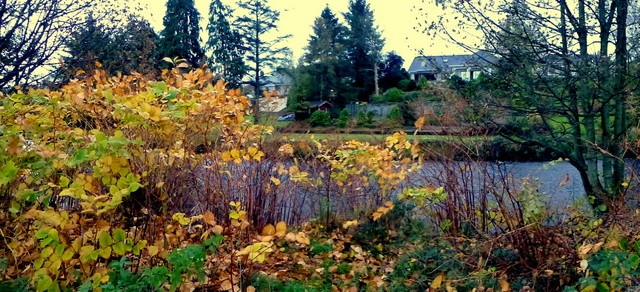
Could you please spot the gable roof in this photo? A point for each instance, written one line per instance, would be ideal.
(433, 64)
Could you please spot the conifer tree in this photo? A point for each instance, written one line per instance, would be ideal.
(89, 44)
(327, 56)
(225, 44)
(257, 23)
(365, 46)
(181, 34)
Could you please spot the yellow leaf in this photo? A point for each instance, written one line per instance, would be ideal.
(218, 229)
(268, 230)
(153, 250)
(504, 285)
(302, 238)
(350, 223)
(437, 282)
(275, 181)
(180, 218)
(281, 228)
(251, 289)
(226, 156)
(236, 155)
(419, 123)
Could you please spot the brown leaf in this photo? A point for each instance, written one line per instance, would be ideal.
(209, 218)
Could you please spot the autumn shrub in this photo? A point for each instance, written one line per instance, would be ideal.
(113, 179)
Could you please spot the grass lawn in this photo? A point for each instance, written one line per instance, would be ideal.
(379, 138)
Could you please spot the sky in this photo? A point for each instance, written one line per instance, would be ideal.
(395, 19)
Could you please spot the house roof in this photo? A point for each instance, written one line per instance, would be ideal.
(434, 64)
(315, 104)
(276, 79)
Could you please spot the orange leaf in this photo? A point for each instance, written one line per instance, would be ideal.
(209, 218)
(504, 285)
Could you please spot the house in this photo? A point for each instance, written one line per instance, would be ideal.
(441, 68)
(276, 83)
(319, 106)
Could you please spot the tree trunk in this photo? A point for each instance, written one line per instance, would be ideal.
(620, 95)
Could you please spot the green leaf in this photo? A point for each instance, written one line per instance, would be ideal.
(46, 252)
(105, 239)
(139, 246)
(134, 187)
(120, 248)
(64, 181)
(79, 157)
(119, 235)
(46, 241)
(44, 283)
(42, 233)
(8, 172)
(67, 255)
(53, 234)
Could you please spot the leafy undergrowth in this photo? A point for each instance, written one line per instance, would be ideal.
(121, 183)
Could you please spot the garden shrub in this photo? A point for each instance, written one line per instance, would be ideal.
(365, 119)
(343, 119)
(393, 95)
(320, 118)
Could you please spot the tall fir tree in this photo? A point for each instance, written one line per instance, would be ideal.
(225, 44)
(365, 46)
(181, 33)
(138, 44)
(89, 44)
(327, 58)
(257, 23)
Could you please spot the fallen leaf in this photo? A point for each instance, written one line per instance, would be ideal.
(209, 218)
(437, 282)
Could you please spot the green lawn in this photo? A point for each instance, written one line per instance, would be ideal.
(378, 138)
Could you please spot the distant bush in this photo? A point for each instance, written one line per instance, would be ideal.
(320, 118)
(395, 115)
(393, 95)
(343, 120)
(377, 98)
(407, 85)
(365, 119)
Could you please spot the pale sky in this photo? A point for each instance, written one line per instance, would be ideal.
(395, 19)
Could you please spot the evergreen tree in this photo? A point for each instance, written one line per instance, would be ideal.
(89, 44)
(138, 44)
(326, 57)
(391, 71)
(365, 46)
(181, 34)
(262, 53)
(225, 45)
